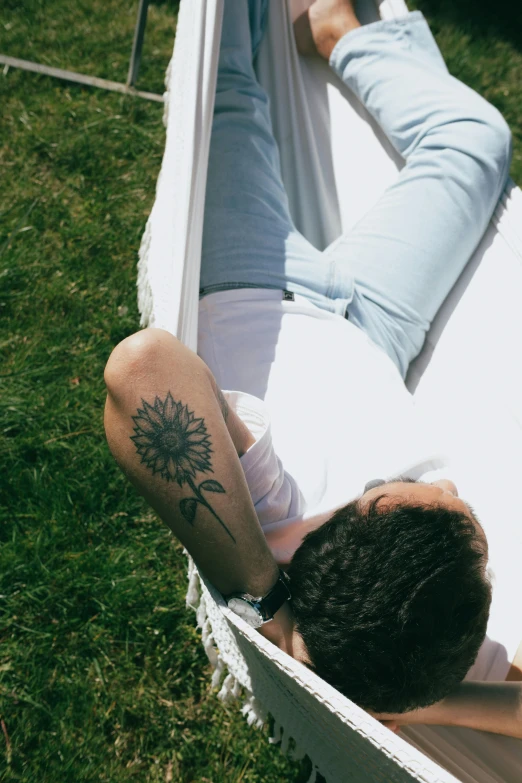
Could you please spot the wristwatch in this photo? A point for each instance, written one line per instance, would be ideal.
(256, 611)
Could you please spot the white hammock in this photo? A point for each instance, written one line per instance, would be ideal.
(468, 374)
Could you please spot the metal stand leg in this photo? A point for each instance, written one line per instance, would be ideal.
(137, 44)
(93, 81)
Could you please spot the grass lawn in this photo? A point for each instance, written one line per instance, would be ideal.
(102, 677)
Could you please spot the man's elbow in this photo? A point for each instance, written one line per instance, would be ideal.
(136, 357)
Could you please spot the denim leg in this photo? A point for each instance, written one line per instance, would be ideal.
(408, 251)
(248, 237)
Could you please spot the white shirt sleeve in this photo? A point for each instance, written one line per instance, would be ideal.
(274, 494)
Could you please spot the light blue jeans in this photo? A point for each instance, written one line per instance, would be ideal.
(391, 272)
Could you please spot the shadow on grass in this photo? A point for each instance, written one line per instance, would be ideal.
(479, 18)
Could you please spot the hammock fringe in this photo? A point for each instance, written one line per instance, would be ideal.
(231, 689)
(145, 295)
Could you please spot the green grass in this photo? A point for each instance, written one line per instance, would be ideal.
(102, 677)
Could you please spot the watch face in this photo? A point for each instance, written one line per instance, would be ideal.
(245, 610)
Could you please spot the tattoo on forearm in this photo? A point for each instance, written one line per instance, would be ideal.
(173, 443)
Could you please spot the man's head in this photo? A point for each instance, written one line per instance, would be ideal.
(391, 595)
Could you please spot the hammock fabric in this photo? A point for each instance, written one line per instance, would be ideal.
(468, 377)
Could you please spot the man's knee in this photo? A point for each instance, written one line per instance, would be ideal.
(499, 139)
(136, 357)
(489, 140)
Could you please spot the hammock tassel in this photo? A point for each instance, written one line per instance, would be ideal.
(166, 94)
(285, 742)
(193, 594)
(254, 712)
(277, 733)
(208, 643)
(145, 296)
(313, 776)
(201, 614)
(229, 689)
(297, 753)
(218, 671)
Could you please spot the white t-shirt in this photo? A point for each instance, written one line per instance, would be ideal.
(329, 412)
(328, 408)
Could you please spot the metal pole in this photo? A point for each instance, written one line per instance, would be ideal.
(79, 78)
(137, 44)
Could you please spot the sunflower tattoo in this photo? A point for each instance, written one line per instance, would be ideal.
(173, 443)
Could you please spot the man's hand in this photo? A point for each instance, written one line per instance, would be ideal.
(281, 632)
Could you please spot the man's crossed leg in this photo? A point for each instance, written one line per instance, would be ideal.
(397, 265)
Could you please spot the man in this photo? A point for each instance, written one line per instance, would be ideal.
(390, 596)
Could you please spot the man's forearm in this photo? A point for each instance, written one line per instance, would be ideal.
(495, 707)
(487, 706)
(166, 429)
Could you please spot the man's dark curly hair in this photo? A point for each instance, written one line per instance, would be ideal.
(392, 603)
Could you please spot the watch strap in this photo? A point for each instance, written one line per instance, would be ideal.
(275, 598)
